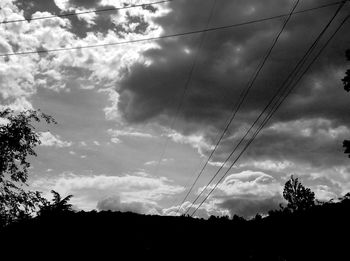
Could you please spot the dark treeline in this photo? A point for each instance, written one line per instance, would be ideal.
(318, 232)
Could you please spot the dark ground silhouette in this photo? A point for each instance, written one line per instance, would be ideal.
(318, 233)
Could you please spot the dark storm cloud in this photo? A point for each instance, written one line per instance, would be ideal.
(248, 208)
(103, 22)
(29, 7)
(79, 27)
(316, 142)
(115, 204)
(226, 62)
(313, 182)
(88, 4)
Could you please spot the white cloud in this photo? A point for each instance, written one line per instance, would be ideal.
(87, 17)
(19, 104)
(323, 192)
(127, 132)
(218, 164)
(317, 128)
(197, 141)
(249, 183)
(48, 139)
(101, 66)
(115, 140)
(153, 162)
(111, 111)
(114, 203)
(268, 165)
(18, 81)
(88, 190)
(245, 193)
(62, 4)
(204, 211)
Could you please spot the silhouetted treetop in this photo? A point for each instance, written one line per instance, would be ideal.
(346, 79)
(346, 145)
(298, 197)
(58, 205)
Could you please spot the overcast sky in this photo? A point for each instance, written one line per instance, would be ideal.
(122, 144)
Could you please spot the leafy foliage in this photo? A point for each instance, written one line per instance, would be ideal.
(18, 139)
(298, 197)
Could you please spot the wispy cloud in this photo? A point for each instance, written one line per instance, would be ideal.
(48, 139)
(197, 141)
(92, 189)
(127, 132)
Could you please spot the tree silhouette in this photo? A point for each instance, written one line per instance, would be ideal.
(58, 205)
(346, 79)
(17, 141)
(346, 145)
(298, 197)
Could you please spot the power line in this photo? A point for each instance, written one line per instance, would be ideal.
(269, 115)
(188, 81)
(278, 103)
(192, 69)
(168, 36)
(242, 98)
(84, 12)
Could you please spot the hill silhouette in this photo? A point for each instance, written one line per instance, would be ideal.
(317, 233)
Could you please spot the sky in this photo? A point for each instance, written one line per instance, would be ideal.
(128, 139)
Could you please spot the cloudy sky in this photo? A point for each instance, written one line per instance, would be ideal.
(121, 143)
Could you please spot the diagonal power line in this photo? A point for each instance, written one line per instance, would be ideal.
(290, 76)
(270, 116)
(28, 19)
(283, 96)
(166, 36)
(242, 98)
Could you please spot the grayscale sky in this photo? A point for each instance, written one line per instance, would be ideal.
(121, 143)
